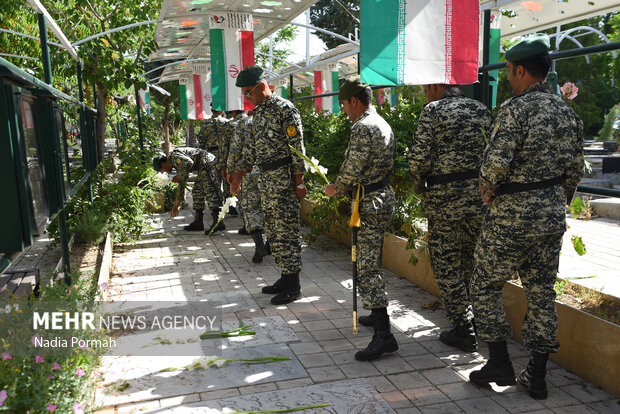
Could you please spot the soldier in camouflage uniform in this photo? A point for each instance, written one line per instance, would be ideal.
(225, 136)
(446, 155)
(276, 125)
(185, 160)
(369, 160)
(530, 171)
(249, 196)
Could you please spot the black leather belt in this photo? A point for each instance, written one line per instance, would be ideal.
(272, 165)
(448, 178)
(369, 188)
(511, 188)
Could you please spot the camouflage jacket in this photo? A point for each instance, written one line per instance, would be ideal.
(370, 154)
(537, 137)
(238, 145)
(208, 136)
(450, 138)
(228, 131)
(276, 125)
(187, 159)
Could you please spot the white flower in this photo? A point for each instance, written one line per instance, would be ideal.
(161, 179)
(323, 170)
(201, 362)
(219, 362)
(230, 201)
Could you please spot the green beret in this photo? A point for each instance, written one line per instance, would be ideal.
(532, 46)
(350, 88)
(157, 160)
(250, 76)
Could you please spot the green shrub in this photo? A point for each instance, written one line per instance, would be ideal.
(607, 131)
(90, 228)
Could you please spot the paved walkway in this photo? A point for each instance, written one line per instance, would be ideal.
(424, 376)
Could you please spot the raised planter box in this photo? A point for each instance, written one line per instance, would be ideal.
(589, 346)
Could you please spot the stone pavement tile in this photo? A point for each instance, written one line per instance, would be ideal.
(425, 334)
(396, 399)
(307, 316)
(358, 370)
(343, 357)
(411, 348)
(341, 322)
(607, 407)
(441, 375)
(460, 391)
(315, 360)
(408, 410)
(214, 395)
(319, 325)
(325, 374)
(557, 397)
(575, 409)
(328, 334)
(465, 370)
(587, 393)
(381, 384)
(517, 402)
(484, 405)
(306, 348)
(408, 380)
(424, 361)
(139, 407)
(305, 336)
(294, 383)
(336, 345)
(391, 364)
(338, 314)
(425, 396)
(561, 378)
(438, 347)
(180, 400)
(443, 408)
(455, 358)
(254, 389)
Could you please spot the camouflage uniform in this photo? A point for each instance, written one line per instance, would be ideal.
(536, 137)
(277, 124)
(209, 139)
(186, 159)
(369, 158)
(249, 204)
(449, 140)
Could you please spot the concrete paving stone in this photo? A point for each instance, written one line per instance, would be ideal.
(305, 336)
(381, 384)
(410, 349)
(343, 357)
(441, 375)
(315, 360)
(359, 370)
(461, 391)
(302, 382)
(606, 407)
(336, 345)
(180, 400)
(140, 407)
(391, 364)
(484, 405)
(328, 334)
(319, 325)
(408, 410)
(562, 377)
(306, 348)
(396, 399)
(438, 347)
(424, 335)
(557, 397)
(517, 402)
(443, 408)
(575, 409)
(341, 322)
(307, 316)
(325, 374)
(587, 393)
(338, 314)
(408, 380)
(214, 395)
(253, 389)
(424, 361)
(461, 358)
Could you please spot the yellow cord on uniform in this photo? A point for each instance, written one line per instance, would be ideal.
(355, 215)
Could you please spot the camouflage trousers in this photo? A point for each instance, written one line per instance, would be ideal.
(501, 251)
(376, 210)
(205, 187)
(250, 206)
(451, 246)
(281, 210)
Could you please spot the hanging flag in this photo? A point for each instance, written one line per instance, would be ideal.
(195, 93)
(325, 81)
(145, 100)
(407, 42)
(282, 88)
(232, 50)
(387, 95)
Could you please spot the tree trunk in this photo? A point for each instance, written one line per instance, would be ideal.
(102, 93)
(191, 137)
(166, 128)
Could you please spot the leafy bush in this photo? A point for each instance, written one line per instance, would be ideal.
(607, 131)
(90, 228)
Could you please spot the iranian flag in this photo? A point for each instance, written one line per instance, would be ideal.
(416, 42)
(195, 93)
(145, 100)
(232, 50)
(325, 81)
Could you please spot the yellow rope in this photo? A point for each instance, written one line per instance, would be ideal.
(355, 220)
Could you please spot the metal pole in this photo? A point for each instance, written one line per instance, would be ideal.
(271, 52)
(45, 51)
(486, 45)
(307, 37)
(291, 93)
(139, 120)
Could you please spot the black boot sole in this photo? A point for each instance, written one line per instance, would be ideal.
(371, 357)
(463, 347)
(534, 393)
(501, 381)
(186, 228)
(284, 298)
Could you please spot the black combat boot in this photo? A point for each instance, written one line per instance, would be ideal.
(533, 376)
(462, 337)
(382, 341)
(291, 290)
(232, 211)
(260, 250)
(215, 212)
(367, 320)
(197, 224)
(277, 287)
(243, 231)
(498, 368)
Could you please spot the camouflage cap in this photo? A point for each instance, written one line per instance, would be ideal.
(532, 46)
(250, 76)
(350, 88)
(157, 160)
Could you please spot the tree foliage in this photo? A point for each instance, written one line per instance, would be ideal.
(329, 15)
(279, 48)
